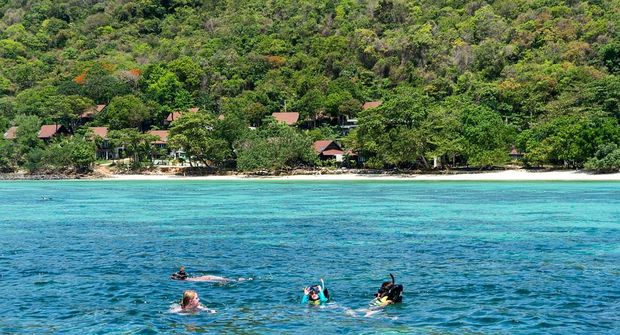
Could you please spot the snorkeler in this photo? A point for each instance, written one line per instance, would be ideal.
(389, 293)
(182, 275)
(316, 294)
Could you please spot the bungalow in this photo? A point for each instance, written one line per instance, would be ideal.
(371, 104)
(162, 136)
(328, 150)
(175, 115)
(11, 133)
(290, 118)
(104, 149)
(162, 143)
(347, 123)
(49, 131)
(515, 154)
(91, 112)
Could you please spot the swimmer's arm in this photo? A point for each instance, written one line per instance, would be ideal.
(305, 299)
(322, 296)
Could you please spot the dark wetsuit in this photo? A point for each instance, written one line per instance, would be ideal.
(181, 275)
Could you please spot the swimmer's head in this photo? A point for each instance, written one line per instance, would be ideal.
(190, 299)
(314, 294)
(182, 269)
(384, 288)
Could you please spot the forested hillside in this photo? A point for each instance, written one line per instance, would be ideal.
(461, 82)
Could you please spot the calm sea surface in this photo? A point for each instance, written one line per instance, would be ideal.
(94, 257)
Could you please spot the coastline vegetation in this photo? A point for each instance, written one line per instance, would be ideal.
(460, 83)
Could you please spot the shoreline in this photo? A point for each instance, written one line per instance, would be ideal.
(505, 175)
(502, 175)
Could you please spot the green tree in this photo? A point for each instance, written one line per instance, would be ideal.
(275, 147)
(126, 112)
(194, 133)
(487, 138)
(137, 145)
(606, 159)
(568, 140)
(101, 86)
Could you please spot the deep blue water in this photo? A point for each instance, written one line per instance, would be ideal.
(94, 257)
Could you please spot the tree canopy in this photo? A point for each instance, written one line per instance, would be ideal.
(461, 81)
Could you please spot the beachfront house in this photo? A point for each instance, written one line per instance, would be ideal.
(104, 148)
(175, 115)
(290, 118)
(327, 150)
(162, 138)
(515, 154)
(162, 144)
(10, 134)
(49, 131)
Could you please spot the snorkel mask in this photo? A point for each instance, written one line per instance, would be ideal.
(314, 289)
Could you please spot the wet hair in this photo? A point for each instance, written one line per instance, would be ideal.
(188, 296)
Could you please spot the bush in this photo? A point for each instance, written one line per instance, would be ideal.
(65, 155)
(606, 159)
(275, 147)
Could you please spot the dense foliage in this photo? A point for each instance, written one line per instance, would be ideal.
(461, 81)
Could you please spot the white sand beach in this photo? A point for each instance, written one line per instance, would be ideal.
(506, 175)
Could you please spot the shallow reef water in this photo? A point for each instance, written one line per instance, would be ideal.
(94, 257)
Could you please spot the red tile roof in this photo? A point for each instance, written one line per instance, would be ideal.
(319, 146)
(100, 131)
(11, 133)
(175, 115)
(371, 104)
(327, 148)
(50, 130)
(162, 134)
(290, 118)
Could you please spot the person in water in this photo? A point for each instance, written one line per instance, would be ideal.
(388, 293)
(181, 275)
(315, 295)
(190, 301)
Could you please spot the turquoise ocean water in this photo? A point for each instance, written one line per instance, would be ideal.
(94, 257)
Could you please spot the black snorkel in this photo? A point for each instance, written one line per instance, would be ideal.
(393, 280)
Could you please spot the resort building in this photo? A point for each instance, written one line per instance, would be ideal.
(327, 150)
(371, 104)
(290, 118)
(515, 154)
(162, 140)
(10, 134)
(175, 115)
(49, 131)
(162, 143)
(104, 148)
